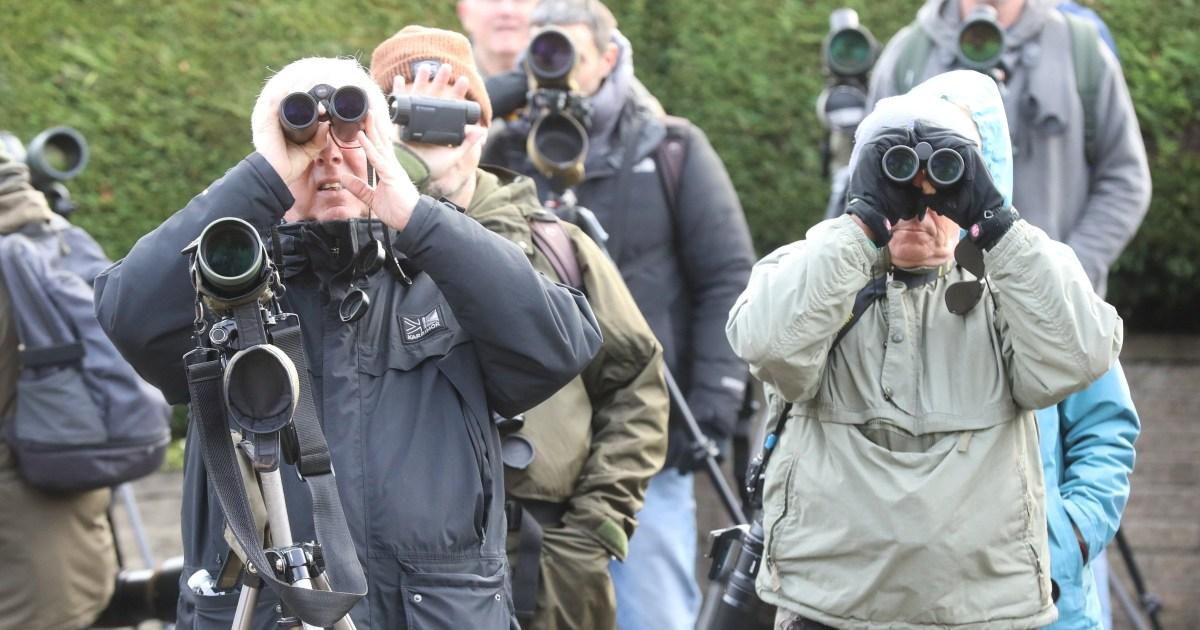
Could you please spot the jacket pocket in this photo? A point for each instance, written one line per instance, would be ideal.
(438, 601)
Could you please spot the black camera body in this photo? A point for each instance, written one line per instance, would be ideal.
(433, 120)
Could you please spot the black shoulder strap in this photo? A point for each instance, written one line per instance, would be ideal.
(669, 158)
(551, 238)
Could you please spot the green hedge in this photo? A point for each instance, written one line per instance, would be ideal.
(163, 90)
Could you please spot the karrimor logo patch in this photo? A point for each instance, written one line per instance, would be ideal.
(418, 328)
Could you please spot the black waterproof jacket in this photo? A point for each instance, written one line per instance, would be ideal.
(684, 266)
(405, 393)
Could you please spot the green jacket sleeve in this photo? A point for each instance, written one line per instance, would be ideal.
(798, 298)
(629, 400)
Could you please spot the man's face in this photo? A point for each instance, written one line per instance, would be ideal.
(592, 65)
(498, 28)
(318, 192)
(928, 242)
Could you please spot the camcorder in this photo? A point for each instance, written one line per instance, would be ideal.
(980, 40)
(433, 120)
(53, 157)
(560, 115)
(847, 55)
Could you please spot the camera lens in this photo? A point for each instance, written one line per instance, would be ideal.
(981, 42)
(945, 167)
(849, 52)
(551, 55)
(349, 103)
(900, 164)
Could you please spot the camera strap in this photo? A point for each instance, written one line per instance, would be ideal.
(316, 607)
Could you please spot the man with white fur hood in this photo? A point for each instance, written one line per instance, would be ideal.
(905, 489)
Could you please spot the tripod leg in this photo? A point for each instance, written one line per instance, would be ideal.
(243, 617)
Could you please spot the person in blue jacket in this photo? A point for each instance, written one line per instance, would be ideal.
(1087, 455)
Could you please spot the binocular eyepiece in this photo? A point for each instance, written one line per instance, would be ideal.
(980, 39)
(550, 60)
(433, 120)
(944, 167)
(345, 109)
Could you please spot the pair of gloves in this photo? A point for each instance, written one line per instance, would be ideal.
(973, 202)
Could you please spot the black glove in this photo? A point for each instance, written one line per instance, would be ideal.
(878, 201)
(974, 202)
(693, 455)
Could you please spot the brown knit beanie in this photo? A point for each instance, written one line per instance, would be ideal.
(397, 54)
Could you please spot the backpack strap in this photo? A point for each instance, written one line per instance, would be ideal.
(1089, 71)
(551, 238)
(915, 47)
(669, 158)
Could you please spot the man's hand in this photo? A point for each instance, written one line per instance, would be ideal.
(441, 159)
(394, 196)
(289, 160)
(969, 200)
(876, 201)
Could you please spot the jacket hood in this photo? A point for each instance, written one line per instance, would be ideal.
(963, 101)
(941, 19)
(499, 200)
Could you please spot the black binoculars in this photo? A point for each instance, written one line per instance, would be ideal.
(980, 40)
(944, 167)
(433, 120)
(345, 109)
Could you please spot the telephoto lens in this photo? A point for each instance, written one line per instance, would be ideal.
(945, 167)
(550, 59)
(231, 258)
(901, 163)
(980, 40)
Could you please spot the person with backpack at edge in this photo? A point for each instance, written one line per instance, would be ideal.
(576, 470)
(678, 235)
(1082, 175)
(56, 545)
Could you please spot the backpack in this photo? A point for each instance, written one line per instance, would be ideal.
(915, 47)
(83, 418)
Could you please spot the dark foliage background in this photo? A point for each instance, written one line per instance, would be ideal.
(163, 90)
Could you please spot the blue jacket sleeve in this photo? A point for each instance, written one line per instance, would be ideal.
(1099, 427)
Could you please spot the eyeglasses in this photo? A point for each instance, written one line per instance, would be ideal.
(962, 296)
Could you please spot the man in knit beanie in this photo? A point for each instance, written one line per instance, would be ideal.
(576, 471)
